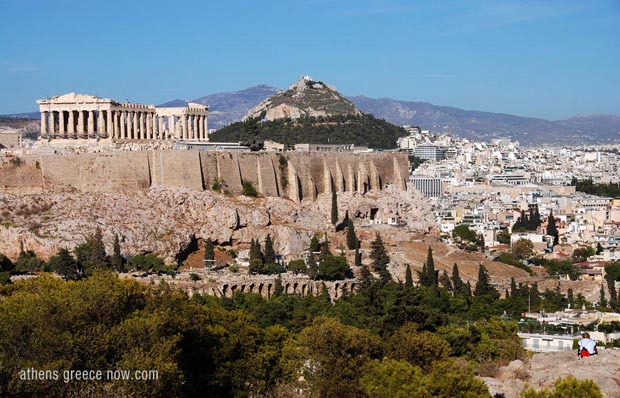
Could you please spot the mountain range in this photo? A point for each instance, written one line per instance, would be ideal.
(226, 108)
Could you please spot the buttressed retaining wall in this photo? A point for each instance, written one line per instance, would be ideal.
(292, 175)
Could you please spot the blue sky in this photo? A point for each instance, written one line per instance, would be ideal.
(549, 59)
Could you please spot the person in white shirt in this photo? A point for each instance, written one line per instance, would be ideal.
(587, 346)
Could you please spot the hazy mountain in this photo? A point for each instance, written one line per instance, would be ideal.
(226, 108)
(486, 125)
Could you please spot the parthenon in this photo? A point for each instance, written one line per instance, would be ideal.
(85, 116)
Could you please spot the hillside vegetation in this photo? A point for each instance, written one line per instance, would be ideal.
(363, 130)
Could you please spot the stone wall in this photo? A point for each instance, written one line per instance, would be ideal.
(293, 175)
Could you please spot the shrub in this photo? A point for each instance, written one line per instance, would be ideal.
(248, 189)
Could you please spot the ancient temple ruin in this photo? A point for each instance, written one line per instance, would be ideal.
(89, 117)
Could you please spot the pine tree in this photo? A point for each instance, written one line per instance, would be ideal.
(380, 258)
(366, 278)
(352, 242)
(457, 282)
(117, 260)
(358, 257)
(408, 277)
(599, 248)
(65, 265)
(552, 229)
(334, 212)
(269, 253)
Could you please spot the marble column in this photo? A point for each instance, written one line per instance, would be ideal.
(185, 135)
(135, 128)
(109, 125)
(52, 125)
(149, 126)
(61, 122)
(162, 133)
(71, 125)
(206, 121)
(115, 124)
(91, 124)
(80, 129)
(123, 121)
(195, 127)
(99, 127)
(43, 124)
(171, 127)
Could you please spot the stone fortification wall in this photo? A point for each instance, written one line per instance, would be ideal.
(297, 176)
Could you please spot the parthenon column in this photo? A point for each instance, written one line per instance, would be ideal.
(71, 125)
(200, 129)
(206, 128)
(123, 121)
(91, 124)
(61, 122)
(162, 133)
(52, 126)
(185, 135)
(134, 126)
(194, 127)
(80, 129)
(99, 127)
(115, 124)
(43, 124)
(172, 127)
(149, 126)
(109, 125)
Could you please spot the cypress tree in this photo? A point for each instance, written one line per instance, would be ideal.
(483, 286)
(570, 297)
(380, 258)
(430, 268)
(457, 282)
(65, 265)
(313, 268)
(468, 290)
(603, 300)
(444, 280)
(358, 257)
(315, 246)
(117, 260)
(334, 212)
(209, 255)
(255, 251)
(599, 248)
(535, 218)
(408, 277)
(552, 229)
(514, 291)
(269, 253)
(351, 237)
(325, 249)
(98, 256)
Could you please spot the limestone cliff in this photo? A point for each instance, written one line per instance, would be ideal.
(304, 98)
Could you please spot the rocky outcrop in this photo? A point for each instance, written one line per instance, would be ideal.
(543, 369)
(304, 98)
(166, 221)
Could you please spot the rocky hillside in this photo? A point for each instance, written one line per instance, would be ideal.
(168, 221)
(306, 97)
(543, 369)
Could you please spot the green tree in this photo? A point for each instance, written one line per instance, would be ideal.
(420, 349)
(462, 233)
(209, 255)
(65, 265)
(389, 378)
(428, 276)
(568, 387)
(334, 210)
(408, 277)
(269, 252)
(444, 281)
(457, 282)
(325, 252)
(380, 258)
(599, 248)
(256, 253)
(91, 255)
(523, 248)
(483, 285)
(352, 242)
(602, 299)
(333, 268)
(117, 261)
(503, 237)
(315, 245)
(297, 267)
(330, 355)
(27, 261)
(552, 229)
